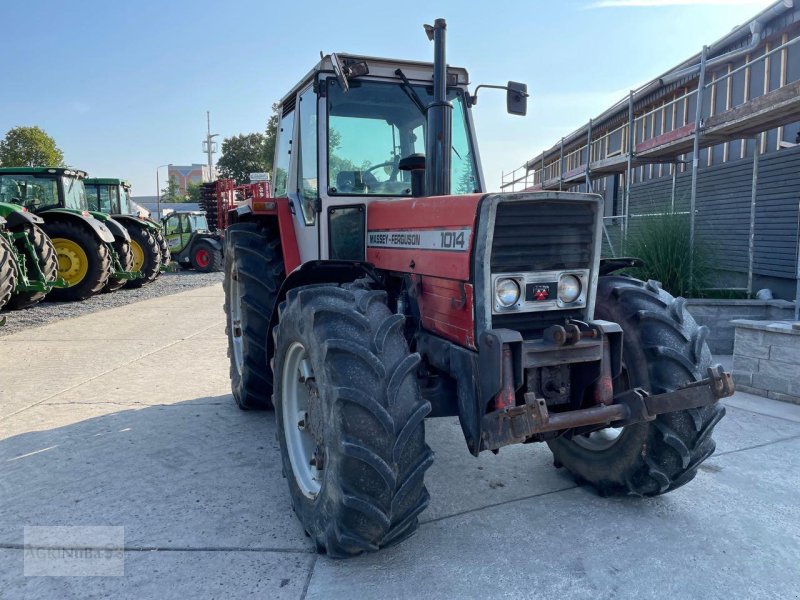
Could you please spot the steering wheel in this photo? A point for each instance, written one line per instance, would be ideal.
(389, 163)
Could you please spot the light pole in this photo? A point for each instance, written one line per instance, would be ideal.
(158, 192)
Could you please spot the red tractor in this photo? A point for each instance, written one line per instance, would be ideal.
(381, 285)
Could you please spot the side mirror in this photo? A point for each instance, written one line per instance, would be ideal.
(517, 98)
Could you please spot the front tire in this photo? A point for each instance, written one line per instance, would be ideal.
(83, 261)
(663, 349)
(206, 258)
(350, 419)
(253, 276)
(166, 257)
(45, 256)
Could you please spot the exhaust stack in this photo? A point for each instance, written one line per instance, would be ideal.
(440, 111)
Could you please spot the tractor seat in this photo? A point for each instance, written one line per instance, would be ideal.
(350, 181)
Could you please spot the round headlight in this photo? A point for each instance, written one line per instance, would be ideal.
(506, 292)
(569, 288)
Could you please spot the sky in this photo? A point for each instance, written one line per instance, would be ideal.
(124, 86)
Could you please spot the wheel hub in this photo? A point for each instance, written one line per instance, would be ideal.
(72, 261)
(138, 255)
(202, 257)
(302, 420)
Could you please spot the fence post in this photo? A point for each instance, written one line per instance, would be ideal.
(752, 238)
(629, 170)
(696, 159)
(588, 157)
(797, 274)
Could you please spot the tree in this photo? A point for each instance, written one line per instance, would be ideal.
(241, 155)
(29, 147)
(172, 192)
(194, 192)
(270, 136)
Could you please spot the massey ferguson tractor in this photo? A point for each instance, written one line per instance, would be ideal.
(382, 285)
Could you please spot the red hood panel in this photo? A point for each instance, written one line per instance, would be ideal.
(426, 236)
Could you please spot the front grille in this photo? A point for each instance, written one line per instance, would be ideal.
(542, 236)
(532, 324)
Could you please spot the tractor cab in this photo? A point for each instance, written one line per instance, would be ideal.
(109, 196)
(38, 189)
(359, 126)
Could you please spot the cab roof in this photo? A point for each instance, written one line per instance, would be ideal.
(107, 181)
(418, 71)
(43, 171)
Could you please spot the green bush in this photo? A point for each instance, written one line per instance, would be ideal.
(662, 242)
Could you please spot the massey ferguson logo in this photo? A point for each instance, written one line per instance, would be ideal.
(430, 239)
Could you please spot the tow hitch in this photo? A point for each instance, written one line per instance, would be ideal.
(518, 423)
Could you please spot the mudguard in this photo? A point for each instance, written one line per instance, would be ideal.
(120, 233)
(146, 223)
(16, 215)
(63, 214)
(213, 241)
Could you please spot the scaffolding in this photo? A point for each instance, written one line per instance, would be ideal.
(669, 121)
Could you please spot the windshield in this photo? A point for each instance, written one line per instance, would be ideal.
(198, 222)
(29, 191)
(74, 193)
(374, 125)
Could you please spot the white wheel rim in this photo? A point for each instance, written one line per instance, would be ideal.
(599, 440)
(300, 444)
(236, 322)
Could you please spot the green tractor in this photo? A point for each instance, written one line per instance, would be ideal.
(33, 257)
(191, 242)
(112, 197)
(92, 249)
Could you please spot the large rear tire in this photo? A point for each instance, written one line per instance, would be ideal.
(45, 257)
(8, 272)
(350, 419)
(83, 261)
(253, 276)
(146, 255)
(663, 349)
(166, 257)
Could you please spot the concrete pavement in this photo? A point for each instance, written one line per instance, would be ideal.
(124, 417)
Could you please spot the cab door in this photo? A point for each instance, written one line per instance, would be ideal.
(172, 232)
(295, 176)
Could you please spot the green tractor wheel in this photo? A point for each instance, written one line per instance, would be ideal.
(45, 257)
(166, 257)
(123, 250)
(8, 272)
(83, 261)
(146, 255)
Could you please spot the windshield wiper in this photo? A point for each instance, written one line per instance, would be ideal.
(411, 92)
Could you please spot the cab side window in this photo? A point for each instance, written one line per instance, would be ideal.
(283, 152)
(172, 225)
(105, 199)
(91, 197)
(307, 185)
